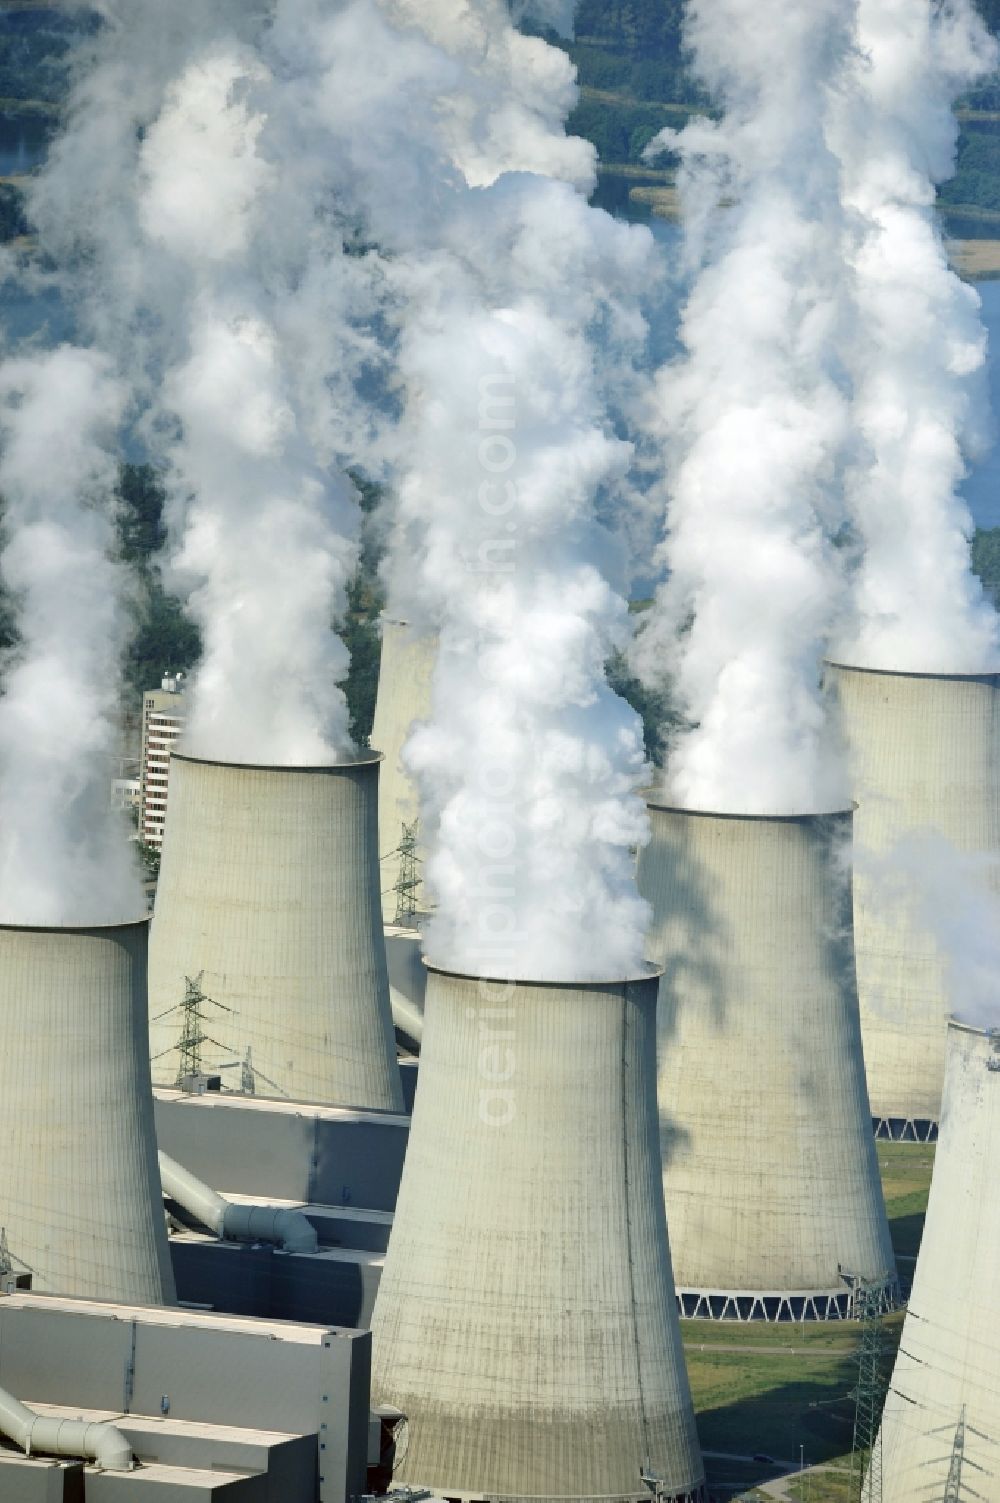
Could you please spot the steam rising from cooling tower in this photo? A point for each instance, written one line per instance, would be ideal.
(916, 349)
(752, 419)
(63, 857)
(213, 272)
(527, 765)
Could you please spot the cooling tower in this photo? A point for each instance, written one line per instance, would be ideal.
(268, 893)
(404, 696)
(948, 1365)
(526, 1320)
(925, 751)
(79, 1183)
(769, 1167)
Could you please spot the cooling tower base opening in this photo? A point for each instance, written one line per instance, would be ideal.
(905, 1129)
(774, 1306)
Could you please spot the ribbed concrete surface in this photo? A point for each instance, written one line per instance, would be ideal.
(269, 885)
(79, 1184)
(526, 1317)
(925, 753)
(404, 696)
(770, 1174)
(949, 1355)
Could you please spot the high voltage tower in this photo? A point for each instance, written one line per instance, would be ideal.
(869, 1394)
(956, 1488)
(193, 1034)
(953, 1487)
(407, 884)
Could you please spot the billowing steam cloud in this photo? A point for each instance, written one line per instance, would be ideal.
(203, 256)
(752, 419)
(917, 349)
(265, 538)
(501, 275)
(63, 858)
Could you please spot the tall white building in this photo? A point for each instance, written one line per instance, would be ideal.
(163, 719)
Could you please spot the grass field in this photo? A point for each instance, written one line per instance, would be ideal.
(771, 1389)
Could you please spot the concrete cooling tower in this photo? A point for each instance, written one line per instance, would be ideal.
(79, 1184)
(925, 751)
(526, 1320)
(769, 1167)
(942, 1412)
(268, 898)
(404, 697)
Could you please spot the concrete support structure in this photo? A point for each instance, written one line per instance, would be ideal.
(948, 1366)
(769, 1168)
(925, 753)
(79, 1185)
(404, 697)
(526, 1321)
(269, 891)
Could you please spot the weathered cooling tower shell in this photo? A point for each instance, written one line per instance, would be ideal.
(948, 1363)
(526, 1320)
(268, 891)
(769, 1168)
(404, 697)
(925, 753)
(79, 1183)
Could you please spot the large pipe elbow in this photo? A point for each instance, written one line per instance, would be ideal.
(102, 1444)
(285, 1228)
(290, 1230)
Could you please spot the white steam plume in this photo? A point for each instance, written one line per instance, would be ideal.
(202, 254)
(444, 117)
(64, 858)
(918, 348)
(752, 419)
(265, 537)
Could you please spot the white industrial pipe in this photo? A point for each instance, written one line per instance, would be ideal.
(290, 1230)
(33, 1432)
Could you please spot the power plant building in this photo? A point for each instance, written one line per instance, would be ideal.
(163, 719)
(79, 1185)
(942, 1412)
(268, 898)
(770, 1174)
(925, 752)
(526, 1320)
